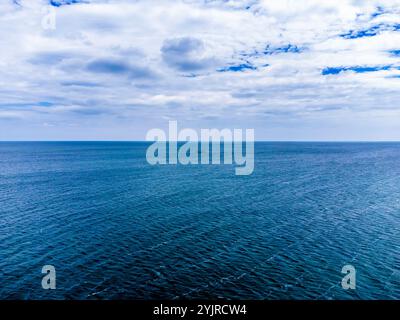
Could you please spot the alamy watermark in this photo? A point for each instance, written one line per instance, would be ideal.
(349, 280)
(203, 148)
(44, 17)
(49, 18)
(49, 280)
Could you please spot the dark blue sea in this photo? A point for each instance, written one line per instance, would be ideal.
(115, 227)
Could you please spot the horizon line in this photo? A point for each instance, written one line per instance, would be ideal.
(200, 141)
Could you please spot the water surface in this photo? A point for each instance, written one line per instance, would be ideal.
(115, 227)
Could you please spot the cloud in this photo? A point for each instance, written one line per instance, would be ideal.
(79, 84)
(118, 67)
(49, 58)
(186, 54)
(272, 65)
(108, 66)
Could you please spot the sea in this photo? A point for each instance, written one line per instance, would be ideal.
(115, 227)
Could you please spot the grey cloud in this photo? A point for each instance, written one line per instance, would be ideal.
(184, 54)
(120, 67)
(48, 58)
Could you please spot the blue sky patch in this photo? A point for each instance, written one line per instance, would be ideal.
(45, 104)
(289, 48)
(356, 69)
(238, 67)
(395, 52)
(379, 11)
(59, 3)
(355, 34)
(370, 32)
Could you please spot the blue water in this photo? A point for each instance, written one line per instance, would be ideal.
(115, 227)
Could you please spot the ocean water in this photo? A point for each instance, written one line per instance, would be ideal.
(115, 227)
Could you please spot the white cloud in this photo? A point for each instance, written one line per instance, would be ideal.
(119, 64)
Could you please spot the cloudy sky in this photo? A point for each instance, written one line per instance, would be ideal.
(112, 70)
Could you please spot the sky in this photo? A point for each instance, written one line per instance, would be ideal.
(112, 70)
